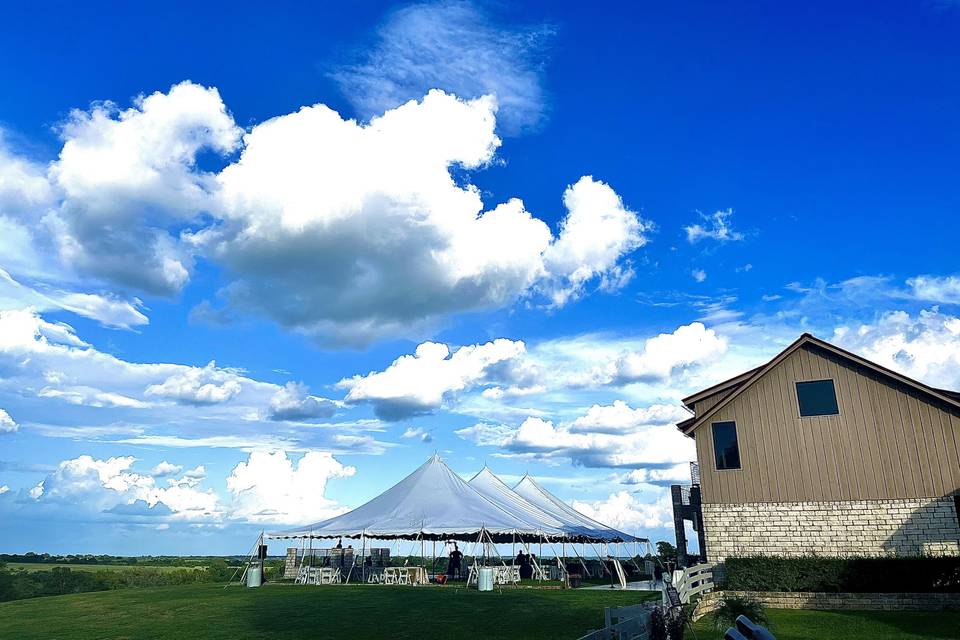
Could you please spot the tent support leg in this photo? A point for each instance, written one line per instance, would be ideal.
(246, 565)
(363, 557)
(586, 572)
(600, 558)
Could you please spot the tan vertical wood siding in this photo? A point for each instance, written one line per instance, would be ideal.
(887, 442)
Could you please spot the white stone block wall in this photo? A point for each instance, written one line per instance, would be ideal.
(854, 528)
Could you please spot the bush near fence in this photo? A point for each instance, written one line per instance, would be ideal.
(847, 575)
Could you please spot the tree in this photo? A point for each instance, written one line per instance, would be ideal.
(666, 551)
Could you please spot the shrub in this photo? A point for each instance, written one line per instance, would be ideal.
(732, 607)
(856, 575)
(677, 623)
(658, 625)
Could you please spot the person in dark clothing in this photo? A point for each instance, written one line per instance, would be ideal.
(526, 571)
(453, 566)
(339, 543)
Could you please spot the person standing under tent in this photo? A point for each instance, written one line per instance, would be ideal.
(526, 571)
(453, 565)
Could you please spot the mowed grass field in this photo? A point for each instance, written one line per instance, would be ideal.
(790, 624)
(282, 612)
(40, 566)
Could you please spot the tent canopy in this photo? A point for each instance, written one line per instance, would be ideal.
(434, 503)
(494, 490)
(575, 523)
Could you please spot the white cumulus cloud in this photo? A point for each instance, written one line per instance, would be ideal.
(664, 355)
(597, 232)
(419, 383)
(198, 385)
(627, 512)
(924, 346)
(165, 468)
(7, 424)
(343, 230)
(127, 175)
(112, 486)
(607, 436)
(270, 487)
(294, 402)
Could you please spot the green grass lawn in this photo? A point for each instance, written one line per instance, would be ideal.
(280, 612)
(791, 624)
(42, 566)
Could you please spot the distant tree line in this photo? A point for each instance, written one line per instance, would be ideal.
(20, 583)
(147, 561)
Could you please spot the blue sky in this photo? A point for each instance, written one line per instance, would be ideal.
(257, 265)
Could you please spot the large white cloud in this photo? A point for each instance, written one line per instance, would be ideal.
(610, 436)
(597, 232)
(270, 487)
(25, 196)
(127, 176)
(419, 383)
(665, 355)
(925, 346)
(346, 231)
(354, 231)
(112, 486)
(627, 512)
(619, 417)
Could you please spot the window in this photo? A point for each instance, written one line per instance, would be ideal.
(817, 398)
(725, 446)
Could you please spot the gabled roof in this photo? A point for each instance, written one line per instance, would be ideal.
(722, 386)
(747, 379)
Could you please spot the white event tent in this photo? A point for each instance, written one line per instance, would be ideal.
(434, 503)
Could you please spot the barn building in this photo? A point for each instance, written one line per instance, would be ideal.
(820, 451)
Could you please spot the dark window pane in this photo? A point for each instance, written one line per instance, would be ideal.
(725, 445)
(817, 398)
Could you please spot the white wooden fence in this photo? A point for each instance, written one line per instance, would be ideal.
(691, 582)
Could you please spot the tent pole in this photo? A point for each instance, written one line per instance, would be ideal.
(247, 563)
(363, 557)
(600, 558)
(560, 563)
(586, 572)
(540, 552)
